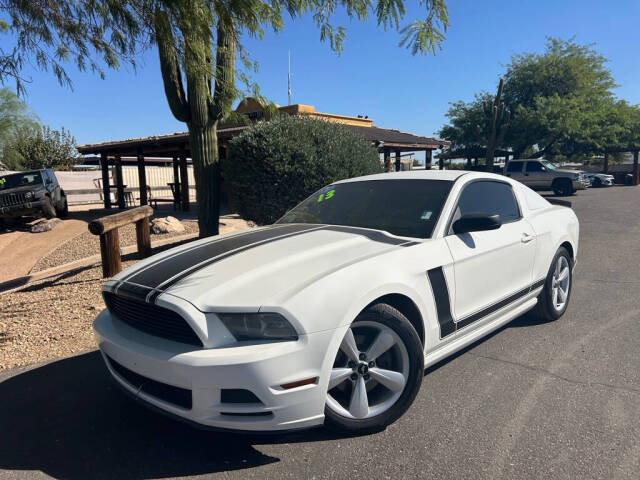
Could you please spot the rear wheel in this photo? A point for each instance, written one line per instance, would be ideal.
(562, 187)
(554, 298)
(377, 372)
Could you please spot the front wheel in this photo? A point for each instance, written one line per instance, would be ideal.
(562, 188)
(377, 372)
(63, 212)
(554, 298)
(47, 208)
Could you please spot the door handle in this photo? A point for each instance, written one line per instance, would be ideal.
(526, 238)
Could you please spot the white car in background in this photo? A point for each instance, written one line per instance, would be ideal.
(333, 313)
(600, 179)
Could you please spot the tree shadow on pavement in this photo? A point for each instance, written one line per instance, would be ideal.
(68, 420)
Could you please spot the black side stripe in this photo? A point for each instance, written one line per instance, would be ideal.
(443, 308)
(441, 297)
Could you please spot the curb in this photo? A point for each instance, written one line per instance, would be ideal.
(9, 286)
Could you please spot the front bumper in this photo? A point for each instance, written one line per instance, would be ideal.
(22, 209)
(206, 372)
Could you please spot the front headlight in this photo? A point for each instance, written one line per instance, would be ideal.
(258, 326)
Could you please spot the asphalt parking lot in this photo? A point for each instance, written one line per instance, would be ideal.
(555, 400)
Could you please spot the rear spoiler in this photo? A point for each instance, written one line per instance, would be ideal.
(557, 201)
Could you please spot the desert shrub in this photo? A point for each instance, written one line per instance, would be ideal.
(276, 164)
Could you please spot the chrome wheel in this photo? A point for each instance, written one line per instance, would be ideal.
(561, 282)
(370, 371)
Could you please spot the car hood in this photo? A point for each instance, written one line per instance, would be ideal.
(252, 268)
(568, 171)
(25, 189)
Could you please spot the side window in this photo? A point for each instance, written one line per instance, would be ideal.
(534, 167)
(514, 167)
(490, 198)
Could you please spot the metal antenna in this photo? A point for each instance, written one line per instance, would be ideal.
(289, 80)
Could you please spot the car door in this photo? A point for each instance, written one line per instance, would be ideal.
(514, 170)
(536, 175)
(494, 265)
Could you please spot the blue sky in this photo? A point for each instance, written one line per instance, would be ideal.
(373, 76)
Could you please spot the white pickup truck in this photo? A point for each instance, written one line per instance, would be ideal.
(543, 175)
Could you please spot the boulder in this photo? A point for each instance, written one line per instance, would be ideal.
(166, 225)
(45, 225)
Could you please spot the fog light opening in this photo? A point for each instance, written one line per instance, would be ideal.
(300, 383)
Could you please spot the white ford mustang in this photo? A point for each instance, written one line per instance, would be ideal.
(332, 314)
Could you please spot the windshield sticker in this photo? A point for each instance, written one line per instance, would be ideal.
(426, 215)
(326, 196)
(3, 181)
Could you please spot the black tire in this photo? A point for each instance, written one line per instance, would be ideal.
(47, 208)
(597, 182)
(544, 309)
(387, 316)
(64, 211)
(562, 187)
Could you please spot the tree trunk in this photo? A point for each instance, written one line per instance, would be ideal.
(204, 155)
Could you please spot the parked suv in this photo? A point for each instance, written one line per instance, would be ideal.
(31, 193)
(544, 175)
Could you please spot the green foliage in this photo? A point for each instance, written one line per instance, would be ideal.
(561, 104)
(42, 147)
(90, 33)
(274, 165)
(15, 116)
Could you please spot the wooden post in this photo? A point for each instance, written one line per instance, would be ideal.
(106, 188)
(635, 179)
(605, 167)
(184, 180)
(143, 237)
(110, 253)
(142, 178)
(428, 157)
(387, 159)
(176, 176)
(107, 228)
(398, 160)
(120, 183)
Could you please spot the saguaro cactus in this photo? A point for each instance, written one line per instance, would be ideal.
(499, 118)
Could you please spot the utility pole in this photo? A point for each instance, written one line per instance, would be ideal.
(289, 80)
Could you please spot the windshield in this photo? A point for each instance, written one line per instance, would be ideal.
(407, 208)
(548, 164)
(20, 180)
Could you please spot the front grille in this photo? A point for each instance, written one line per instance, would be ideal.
(11, 199)
(151, 319)
(167, 393)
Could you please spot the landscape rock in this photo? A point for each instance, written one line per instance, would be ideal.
(45, 225)
(166, 225)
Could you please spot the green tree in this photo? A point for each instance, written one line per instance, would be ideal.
(561, 103)
(15, 116)
(43, 147)
(93, 34)
(274, 165)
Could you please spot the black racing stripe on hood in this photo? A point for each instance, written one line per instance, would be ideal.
(175, 266)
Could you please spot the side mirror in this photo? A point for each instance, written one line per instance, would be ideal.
(476, 222)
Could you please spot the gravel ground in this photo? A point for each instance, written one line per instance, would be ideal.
(50, 319)
(87, 244)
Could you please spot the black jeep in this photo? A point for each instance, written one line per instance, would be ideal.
(31, 193)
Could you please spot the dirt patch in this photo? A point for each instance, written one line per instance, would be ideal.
(86, 244)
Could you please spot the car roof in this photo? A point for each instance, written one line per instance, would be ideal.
(450, 175)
